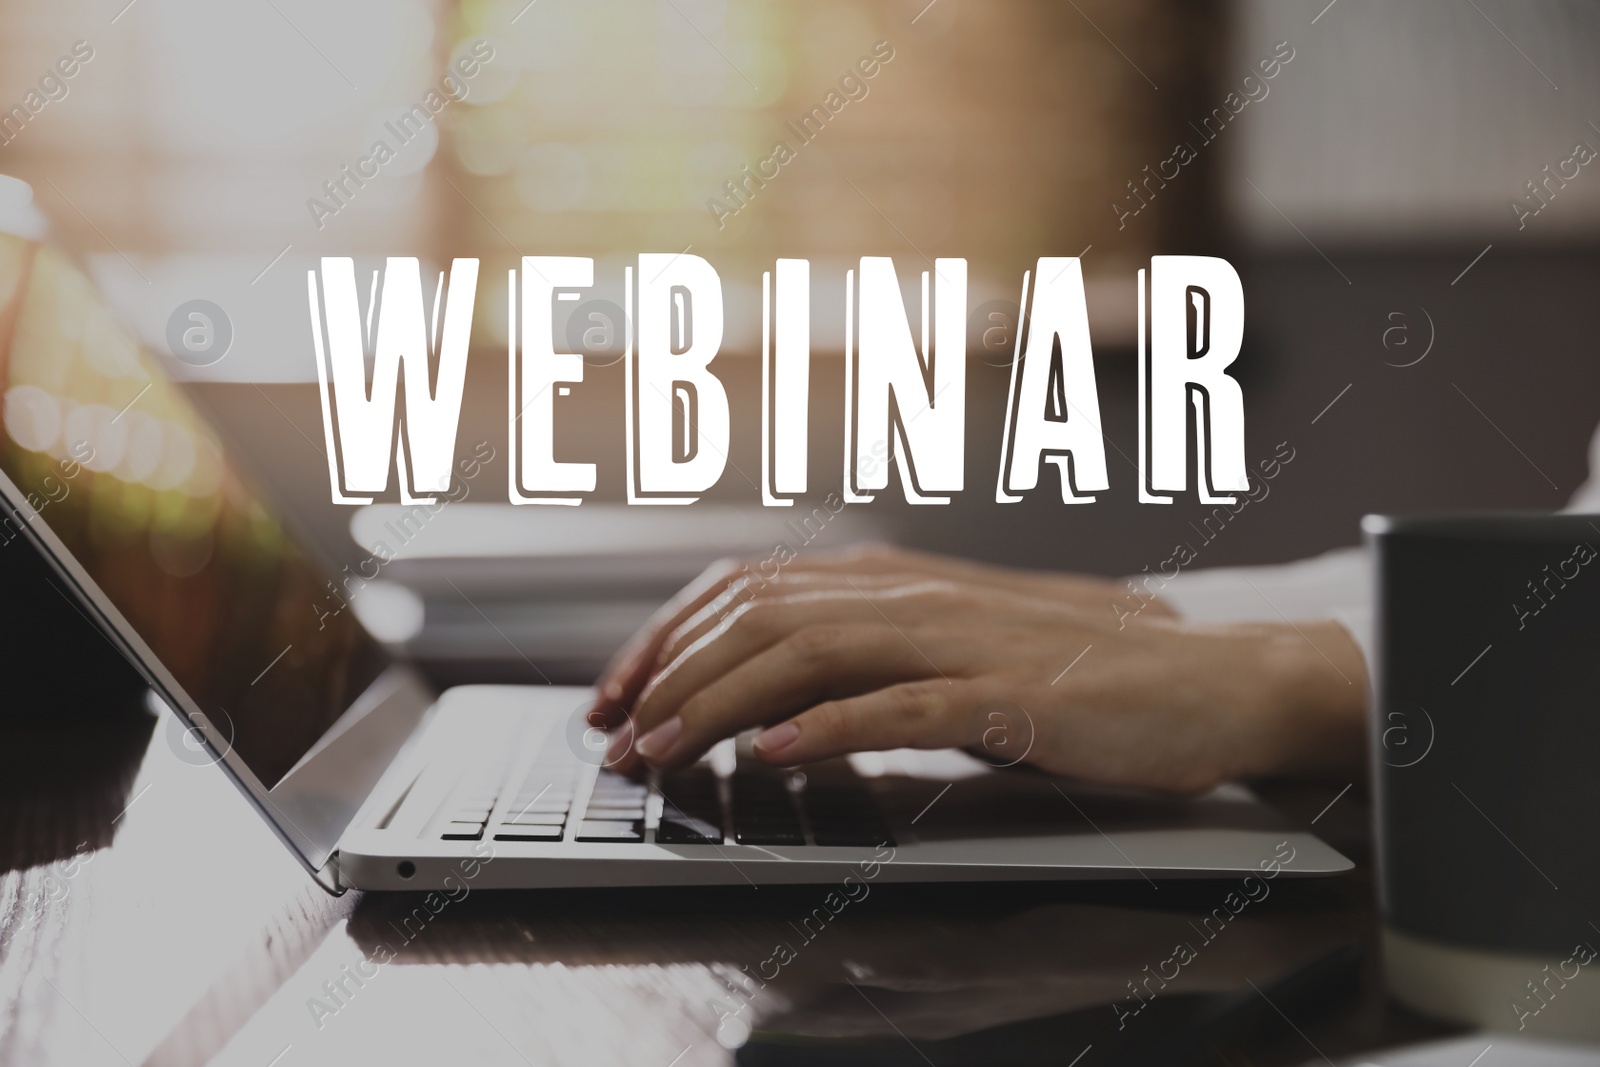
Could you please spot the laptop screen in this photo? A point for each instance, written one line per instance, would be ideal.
(140, 490)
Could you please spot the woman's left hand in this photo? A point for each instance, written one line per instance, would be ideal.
(836, 663)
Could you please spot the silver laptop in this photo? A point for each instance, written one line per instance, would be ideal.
(376, 781)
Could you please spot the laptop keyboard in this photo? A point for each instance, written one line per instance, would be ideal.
(755, 805)
(539, 809)
(472, 803)
(616, 810)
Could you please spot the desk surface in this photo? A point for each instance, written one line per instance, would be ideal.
(148, 916)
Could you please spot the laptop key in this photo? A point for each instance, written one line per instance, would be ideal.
(536, 818)
(844, 814)
(608, 783)
(610, 813)
(618, 797)
(526, 795)
(678, 828)
(530, 833)
(763, 811)
(597, 830)
(538, 808)
(543, 793)
(463, 831)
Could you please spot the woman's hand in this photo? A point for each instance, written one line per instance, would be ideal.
(858, 654)
(629, 670)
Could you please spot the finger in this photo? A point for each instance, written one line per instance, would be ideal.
(624, 674)
(798, 589)
(760, 624)
(750, 630)
(927, 713)
(723, 643)
(619, 683)
(814, 664)
(628, 671)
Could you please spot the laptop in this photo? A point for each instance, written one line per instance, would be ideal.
(376, 781)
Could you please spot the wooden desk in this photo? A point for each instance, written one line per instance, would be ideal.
(148, 916)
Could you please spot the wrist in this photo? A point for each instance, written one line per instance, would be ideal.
(1309, 715)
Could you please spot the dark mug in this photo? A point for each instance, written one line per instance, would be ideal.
(1486, 767)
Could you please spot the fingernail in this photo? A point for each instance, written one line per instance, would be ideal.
(621, 740)
(659, 741)
(778, 738)
(612, 690)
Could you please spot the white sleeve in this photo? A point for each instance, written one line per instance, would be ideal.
(1587, 497)
(1335, 585)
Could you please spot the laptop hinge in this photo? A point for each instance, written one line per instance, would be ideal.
(329, 877)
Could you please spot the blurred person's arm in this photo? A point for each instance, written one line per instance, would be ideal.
(1171, 682)
(885, 649)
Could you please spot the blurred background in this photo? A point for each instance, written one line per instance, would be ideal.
(1405, 190)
